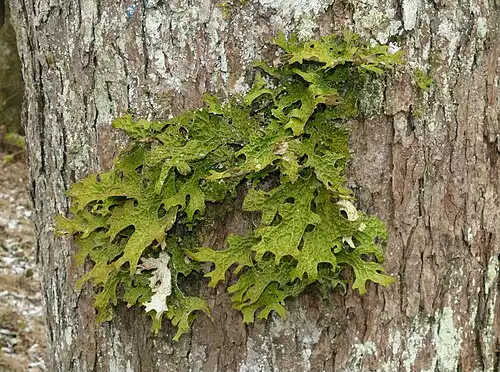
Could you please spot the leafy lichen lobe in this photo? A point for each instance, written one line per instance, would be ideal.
(291, 128)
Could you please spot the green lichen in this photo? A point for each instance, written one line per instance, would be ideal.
(229, 7)
(423, 84)
(289, 131)
(422, 80)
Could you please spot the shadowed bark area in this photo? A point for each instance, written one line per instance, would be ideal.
(424, 162)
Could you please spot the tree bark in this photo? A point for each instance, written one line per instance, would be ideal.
(426, 164)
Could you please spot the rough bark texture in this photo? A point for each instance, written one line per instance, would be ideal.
(427, 165)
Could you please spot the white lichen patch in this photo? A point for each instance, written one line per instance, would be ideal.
(393, 48)
(306, 28)
(129, 368)
(301, 12)
(470, 235)
(392, 360)
(448, 30)
(414, 342)
(197, 356)
(159, 62)
(153, 22)
(410, 11)
(257, 358)
(348, 240)
(349, 209)
(376, 18)
(160, 283)
(68, 335)
(439, 334)
(117, 355)
(308, 334)
(492, 274)
(297, 8)
(361, 351)
(447, 341)
(482, 27)
(241, 86)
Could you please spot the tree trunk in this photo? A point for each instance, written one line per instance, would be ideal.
(425, 163)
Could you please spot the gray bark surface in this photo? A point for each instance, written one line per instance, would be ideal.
(426, 165)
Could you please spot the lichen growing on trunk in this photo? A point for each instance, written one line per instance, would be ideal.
(287, 139)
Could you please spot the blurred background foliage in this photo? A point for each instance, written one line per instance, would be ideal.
(11, 92)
